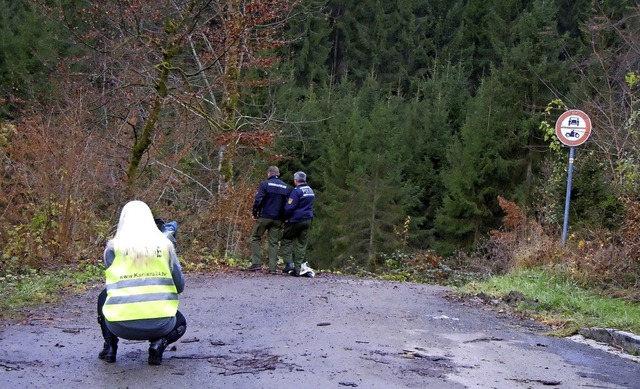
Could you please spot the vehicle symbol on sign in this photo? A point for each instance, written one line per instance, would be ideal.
(573, 127)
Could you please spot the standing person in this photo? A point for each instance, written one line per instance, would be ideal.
(298, 213)
(268, 213)
(143, 279)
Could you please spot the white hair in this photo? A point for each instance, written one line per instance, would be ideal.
(138, 235)
(300, 177)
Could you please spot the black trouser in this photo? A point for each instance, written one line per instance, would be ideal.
(172, 336)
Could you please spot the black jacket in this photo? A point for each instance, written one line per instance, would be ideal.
(299, 207)
(270, 199)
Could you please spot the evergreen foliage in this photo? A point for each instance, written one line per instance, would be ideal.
(309, 53)
(364, 197)
(479, 167)
(431, 120)
(410, 117)
(509, 59)
(30, 48)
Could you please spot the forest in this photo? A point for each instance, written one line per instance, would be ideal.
(426, 128)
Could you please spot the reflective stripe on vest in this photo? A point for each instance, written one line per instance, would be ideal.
(140, 292)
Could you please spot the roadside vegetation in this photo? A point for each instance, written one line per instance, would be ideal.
(552, 297)
(591, 282)
(32, 289)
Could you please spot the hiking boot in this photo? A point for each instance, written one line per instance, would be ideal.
(294, 273)
(289, 267)
(156, 348)
(254, 267)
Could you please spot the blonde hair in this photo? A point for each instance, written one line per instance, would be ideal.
(137, 235)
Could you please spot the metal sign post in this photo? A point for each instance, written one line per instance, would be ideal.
(567, 200)
(572, 129)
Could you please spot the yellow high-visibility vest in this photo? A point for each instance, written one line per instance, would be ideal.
(140, 292)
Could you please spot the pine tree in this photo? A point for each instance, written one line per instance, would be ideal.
(30, 49)
(430, 121)
(479, 168)
(309, 52)
(500, 145)
(365, 197)
(395, 42)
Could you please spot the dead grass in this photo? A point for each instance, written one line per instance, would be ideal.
(606, 261)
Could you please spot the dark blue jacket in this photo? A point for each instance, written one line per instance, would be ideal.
(270, 199)
(299, 206)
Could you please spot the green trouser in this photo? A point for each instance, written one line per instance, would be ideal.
(274, 229)
(294, 242)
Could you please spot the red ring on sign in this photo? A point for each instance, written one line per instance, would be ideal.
(573, 127)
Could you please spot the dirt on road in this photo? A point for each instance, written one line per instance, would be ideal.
(248, 330)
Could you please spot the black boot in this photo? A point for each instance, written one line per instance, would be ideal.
(109, 351)
(156, 348)
(110, 348)
(176, 333)
(289, 267)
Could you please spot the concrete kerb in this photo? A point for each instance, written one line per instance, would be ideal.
(627, 341)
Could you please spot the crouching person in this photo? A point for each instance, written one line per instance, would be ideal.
(143, 279)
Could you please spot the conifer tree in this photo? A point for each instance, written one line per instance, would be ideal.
(30, 49)
(500, 145)
(365, 197)
(480, 168)
(430, 121)
(309, 51)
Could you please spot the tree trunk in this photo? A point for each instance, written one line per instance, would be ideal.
(144, 141)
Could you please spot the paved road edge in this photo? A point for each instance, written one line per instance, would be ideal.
(627, 341)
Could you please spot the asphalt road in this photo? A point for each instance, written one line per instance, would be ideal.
(248, 330)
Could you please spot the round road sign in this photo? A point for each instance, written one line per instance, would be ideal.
(573, 127)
